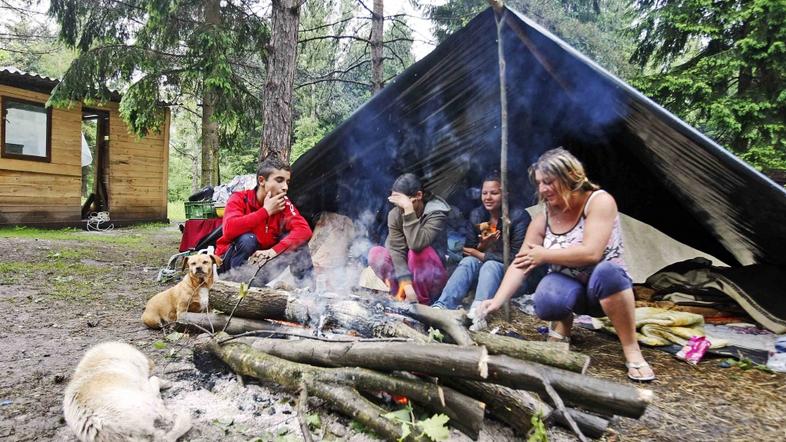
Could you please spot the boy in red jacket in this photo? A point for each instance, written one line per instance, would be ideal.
(262, 223)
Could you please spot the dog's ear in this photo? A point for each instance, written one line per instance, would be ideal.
(185, 263)
(217, 260)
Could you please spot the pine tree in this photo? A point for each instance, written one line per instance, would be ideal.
(157, 51)
(720, 65)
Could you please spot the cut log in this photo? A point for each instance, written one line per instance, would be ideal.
(590, 393)
(515, 407)
(338, 387)
(542, 352)
(259, 303)
(203, 321)
(452, 322)
(464, 362)
(436, 359)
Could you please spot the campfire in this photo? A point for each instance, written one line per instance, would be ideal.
(347, 348)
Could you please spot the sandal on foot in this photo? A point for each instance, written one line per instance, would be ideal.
(638, 366)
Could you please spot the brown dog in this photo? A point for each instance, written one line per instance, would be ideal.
(189, 295)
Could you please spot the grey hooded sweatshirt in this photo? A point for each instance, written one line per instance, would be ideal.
(408, 232)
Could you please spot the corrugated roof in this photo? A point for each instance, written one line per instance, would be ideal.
(11, 76)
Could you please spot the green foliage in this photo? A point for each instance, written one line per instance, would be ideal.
(591, 26)
(434, 428)
(721, 67)
(538, 432)
(158, 51)
(746, 364)
(313, 421)
(435, 335)
(334, 66)
(32, 47)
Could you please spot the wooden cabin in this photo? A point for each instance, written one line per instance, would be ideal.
(42, 179)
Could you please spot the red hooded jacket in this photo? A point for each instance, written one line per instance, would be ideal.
(243, 214)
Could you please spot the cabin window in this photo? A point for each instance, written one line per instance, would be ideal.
(27, 130)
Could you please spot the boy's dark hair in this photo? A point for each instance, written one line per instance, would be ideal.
(492, 176)
(270, 165)
(408, 184)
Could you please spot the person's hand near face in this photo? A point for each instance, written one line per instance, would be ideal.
(402, 201)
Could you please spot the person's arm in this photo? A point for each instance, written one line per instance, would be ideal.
(515, 275)
(236, 221)
(598, 226)
(518, 231)
(299, 230)
(419, 236)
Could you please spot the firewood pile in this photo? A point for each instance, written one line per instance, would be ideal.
(336, 347)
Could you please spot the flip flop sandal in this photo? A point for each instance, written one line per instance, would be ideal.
(639, 366)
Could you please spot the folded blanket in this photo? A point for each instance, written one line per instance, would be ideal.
(655, 326)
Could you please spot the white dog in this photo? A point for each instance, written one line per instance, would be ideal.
(111, 397)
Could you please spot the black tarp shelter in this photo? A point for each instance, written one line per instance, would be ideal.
(441, 119)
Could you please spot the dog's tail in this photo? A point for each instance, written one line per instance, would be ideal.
(182, 423)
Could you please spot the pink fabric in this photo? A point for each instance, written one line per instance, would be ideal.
(428, 273)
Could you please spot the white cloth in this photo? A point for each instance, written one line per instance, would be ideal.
(87, 156)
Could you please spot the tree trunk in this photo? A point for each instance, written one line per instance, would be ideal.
(210, 154)
(377, 33)
(277, 99)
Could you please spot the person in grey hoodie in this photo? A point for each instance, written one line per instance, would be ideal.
(411, 262)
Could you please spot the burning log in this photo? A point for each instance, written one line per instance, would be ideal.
(336, 385)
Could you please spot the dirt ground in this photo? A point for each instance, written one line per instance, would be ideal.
(62, 292)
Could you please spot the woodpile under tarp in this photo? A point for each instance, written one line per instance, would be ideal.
(346, 348)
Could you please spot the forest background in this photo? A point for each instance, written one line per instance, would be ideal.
(719, 65)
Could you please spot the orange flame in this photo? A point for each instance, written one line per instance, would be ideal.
(401, 400)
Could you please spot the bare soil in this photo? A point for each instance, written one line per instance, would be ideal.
(62, 293)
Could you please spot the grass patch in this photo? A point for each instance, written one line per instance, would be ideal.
(121, 236)
(33, 233)
(65, 279)
(72, 254)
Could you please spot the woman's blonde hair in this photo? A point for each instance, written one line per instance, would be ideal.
(567, 171)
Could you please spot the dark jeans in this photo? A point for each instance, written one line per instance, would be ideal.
(298, 260)
(558, 296)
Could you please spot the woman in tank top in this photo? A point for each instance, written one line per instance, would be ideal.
(578, 237)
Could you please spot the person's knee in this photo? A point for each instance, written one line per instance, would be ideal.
(491, 268)
(376, 254)
(555, 298)
(469, 262)
(246, 243)
(607, 279)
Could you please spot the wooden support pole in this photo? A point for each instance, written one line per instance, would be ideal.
(499, 15)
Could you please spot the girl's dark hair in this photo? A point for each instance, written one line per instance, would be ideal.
(492, 176)
(408, 184)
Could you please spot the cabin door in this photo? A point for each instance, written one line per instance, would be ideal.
(95, 161)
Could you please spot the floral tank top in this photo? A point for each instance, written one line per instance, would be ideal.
(613, 251)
